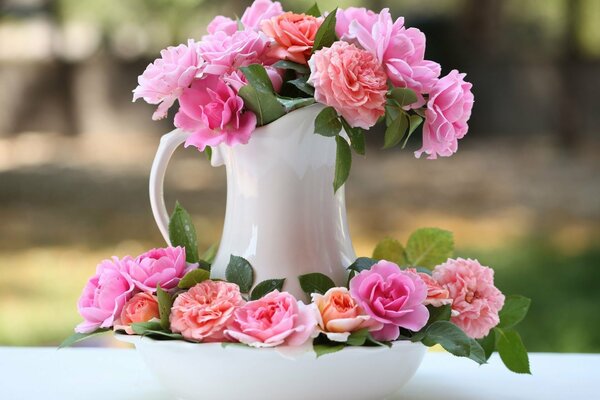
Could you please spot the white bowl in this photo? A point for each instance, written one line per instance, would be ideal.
(210, 371)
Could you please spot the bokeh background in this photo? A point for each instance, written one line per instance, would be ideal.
(522, 194)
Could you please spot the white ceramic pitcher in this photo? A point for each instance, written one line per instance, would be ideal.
(281, 214)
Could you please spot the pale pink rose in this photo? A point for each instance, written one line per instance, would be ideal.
(213, 112)
(225, 53)
(400, 50)
(448, 110)
(203, 312)
(222, 24)
(259, 11)
(163, 81)
(104, 295)
(350, 80)
(391, 296)
(142, 307)
(340, 315)
(437, 295)
(294, 36)
(164, 267)
(475, 298)
(275, 319)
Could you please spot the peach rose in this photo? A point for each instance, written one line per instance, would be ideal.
(142, 307)
(202, 313)
(340, 315)
(437, 295)
(294, 36)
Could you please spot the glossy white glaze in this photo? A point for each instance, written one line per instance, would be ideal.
(282, 214)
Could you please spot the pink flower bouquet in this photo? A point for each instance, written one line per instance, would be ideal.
(364, 67)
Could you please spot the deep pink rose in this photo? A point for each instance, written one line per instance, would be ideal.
(225, 53)
(165, 266)
(203, 312)
(213, 112)
(350, 80)
(163, 81)
(475, 298)
(391, 296)
(276, 319)
(448, 110)
(142, 307)
(104, 295)
(259, 11)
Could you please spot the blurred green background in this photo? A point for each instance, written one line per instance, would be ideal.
(522, 193)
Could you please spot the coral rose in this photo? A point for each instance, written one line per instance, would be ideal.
(294, 36)
(350, 80)
(163, 81)
(448, 110)
(392, 297)
(104, 295)
(437, 295)
(275, 319)
(164, 267)
(213, 112)
(340, 315)
(203, 312)
(142, 307)
(475, 298)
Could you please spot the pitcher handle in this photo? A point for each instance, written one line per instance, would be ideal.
(168, 144)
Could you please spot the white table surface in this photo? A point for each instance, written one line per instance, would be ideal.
(119, 374)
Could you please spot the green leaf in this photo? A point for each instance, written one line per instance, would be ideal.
(391, 250)
(264, 105)
(193, 278)
(325, 36)
(356, 135)
(314, 11)
(302, 85)
(358, 338)
(315, 283)
(403, 96)
(372, 342)
(257, 76)
(240, 272)
(450, 337)
(182, 233)
(78, 337)
(477, 353)
(327, 122)
(141, 328)
(266, 287)
(285, 64)
(442, 313)
(362, 264)
(392, 111)
(414, 122)
(488, 344)
(208, 152)
(514, 310)
(428, 247)
(164, 307)
(293, 104)
(210, 253)
(512, 351)
(343, 163)
(161, 335)
(322, 349)
(395, 132)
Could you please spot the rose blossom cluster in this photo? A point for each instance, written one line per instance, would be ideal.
(371, 55)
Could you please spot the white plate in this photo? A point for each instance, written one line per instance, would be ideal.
(210, 371)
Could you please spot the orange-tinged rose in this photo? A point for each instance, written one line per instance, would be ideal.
(294, 36)
(142, 307)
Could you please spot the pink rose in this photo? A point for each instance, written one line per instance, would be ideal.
(340, 315)
(251, 19)
(222, 24)
(163, 81)
(213, 113)
(350, 80)
(343, 18)
(294, 36)
(158, 266)
(142, 307)
(237, 79)
(203, 312)
(104, 295)
(475, 298)
(224, 53)
(448, 110)
(392, 297)
(437, 295)
(276, 319)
